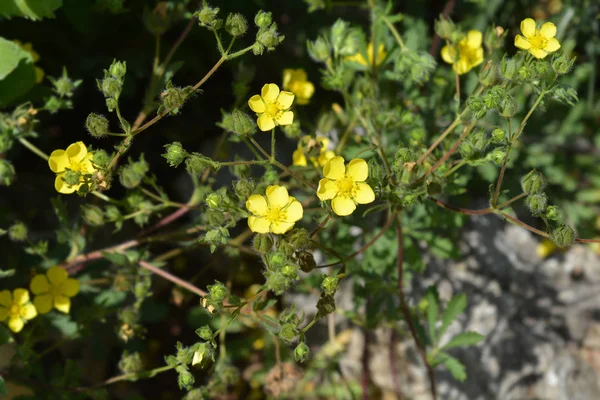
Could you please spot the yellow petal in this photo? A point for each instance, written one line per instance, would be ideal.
(277, 196)
(364, 194)
(474, 39)
(39, 284)
(70, 287)
(343, 206)
(5, 298)
(522, 43)
(325, 156)
(15, 324)
(197, 359)
(358, 170)
(305, 92)
(20, 296)
(552, 45)
(86, 166)
(58, 161)
(43, 303)
(257, 204)
(548, 30)
(3, 314)
(256, 104)
(76, 152)
(286, 118)
(334, 169)
(61, 186)
(57, 275)
(287, 78)
(265, 123)
(299, 159)
(281, 227)
(28, 311)
(294, 211)
(327, 189)
(528, 27)
(62, 304)
(269, 92)
(285, 100)
(449, 54)
(300, 75)
(537, 53)
(462, 66)
(477, 57)
(258, 225)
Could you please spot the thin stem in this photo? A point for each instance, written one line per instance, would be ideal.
(462, 210)
(394, 31)
(435, 144)
(457, 84)
(502, 169)
(455, 168)
(33, 148)
(170, 277)
(520, 129)
(466, 131)
(320, 226)
(509, 202)
(135, 375)
(524, 225)
(273, 144)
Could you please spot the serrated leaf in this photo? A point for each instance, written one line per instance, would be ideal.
(456, 368)
(432, 313)
(464, 339)
(116, 258)
(455, 306)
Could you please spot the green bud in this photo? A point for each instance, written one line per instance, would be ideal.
(301, 352)
(185, 379)
(445, 28)
(271, 176)
(319, 50)
(494, 37)
(325, 305)
(508, 67)
(18, 232)
(277, 259)
(130, 363)
(487, 76)
(477, 106)
(92, 215)
(64, 87)
(434, 188)
(263, 19)
(299, 238)
(533, 182)
(563, 236)
(244, 188)
(213, 201)
(330, 284)
(238, 122)
(217, 292)
(131, 175)
(290, 271)
(236, 25)
(174, 97)
(175, 154)
(205, 333)
(96, 125)
(207, 17)
(258, 49)
(6, 143)
(509, 107)
(376, 171)
(7, 173)
(497, 156)
(118, 69)
(277, 282)
(72, 177)
(111, 104)
(100, 158)
(111, 87)
(561, 63)
(498, 135)
(269, 37)
(537, 203)
(307, 261)
(553, 213)
(157, 21)
(196, 163)
(473, 146)
(263, 242)
(288, 332)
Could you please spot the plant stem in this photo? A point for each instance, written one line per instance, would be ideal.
(466, 131)
(33, 148)
(394, 31)
(170, 277)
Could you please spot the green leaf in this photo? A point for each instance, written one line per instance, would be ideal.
(116, 258)
(455, 306)
(456, 368)
(432, 312)
(464, 339)
(17, 74)
(12, 54)
(5, 335)
(32, 9)
(3, 391)
(6, 273)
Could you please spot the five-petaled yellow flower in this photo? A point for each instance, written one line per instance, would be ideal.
(17, 308)
(272, 107)
(277, 212)
(296, 81)
(345, 186)
(75, 158)
(306, 144)
(538, 42)
(54, 290)
(466, 55)
(359, 58)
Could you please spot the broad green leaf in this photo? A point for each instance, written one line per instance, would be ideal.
(17, 74)
(116, 258)
(32, 9)
(432, 313)
(464, 339)
(456, 368)
(455, 306)
(12, 54)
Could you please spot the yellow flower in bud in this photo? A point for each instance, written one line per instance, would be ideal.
(272, 106)
(75, 158)
(28, 47)
(538, 42)
(277, 212)
(296, 81)
(306, 144)
(17, 308)
(54, 289)
(345, 185)
(359, 58)
(466, 55)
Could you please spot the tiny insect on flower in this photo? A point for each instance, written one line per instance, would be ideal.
(272, 107)
(16, 308)
(54, 289)
(539, 42)
(277, 212)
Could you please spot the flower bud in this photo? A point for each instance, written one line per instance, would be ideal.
(562, 64)
(173, 98)
(277, 259)
(498, 135)
(271, 176)
(236, 25)
(487, 76)
(307, 261)
(131, 175)
(92, 215)
(175, 154)
(196, 163)
(185, 379)
(118, 69)
(533, 182)
(497, 156)
(18, 232)
(130, 363)
(299, 238)
(111, 87)
(473, 145)
(217, 292)
(537, 203)
(277, 282)
(288, 332)
(509, 107)
(7, 173)
(158, 20)
(494, 37)
(330, 284)
(301, 352)
(477, 106)
(243, 188)
(64, 86)
(508, 67)
(213, 201)
(111, 104)
(207, 17)
(263, 242)
(318, 50)
(445, 28)
(376, 171)
(263, 19)
(238, 122)
(96, 125)
(205, 333)
(6, 143)
(553, 213)
(563, 236)
(269, 38)
(290, 271)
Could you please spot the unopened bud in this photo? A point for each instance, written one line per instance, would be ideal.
(207, 17)
(537, 203)
(18, 232)
(553, 213)
(330, 284)
(175, 154)
(301, 352)
(563, 236)
(562, 64)
(96, 125)
(299, 238)
(508, 67)
(263, 242)
(239, 123)
(7, 173)
(487, 76)
(263, 19)
(93, 215)
(533, 182)
(319, 49)
(111, 87)
(118, 69)
(288, 332)
(236, 25)
(444, 27)
(498, 135)
(205, 333)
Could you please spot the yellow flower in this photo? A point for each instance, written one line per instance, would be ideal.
(271, 107)
(345, 186)
(296, 81)
(28, 47)
(466, 55)
(545, 248)
(54, 290)
(538, 42)
(306, 144)
(359, 58)
(16, 308)
(75, 158)
(276, 213)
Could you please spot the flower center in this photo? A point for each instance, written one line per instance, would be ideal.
(345, 186)
(14, 310)
(272, 110)
(275, 214)
(55, 290)
(538, 41)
